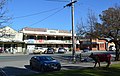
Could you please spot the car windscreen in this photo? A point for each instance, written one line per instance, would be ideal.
(60, 48)
(46, 58)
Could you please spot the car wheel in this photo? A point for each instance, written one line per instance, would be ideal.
(58, 68)
(31, 66)
(42, 69)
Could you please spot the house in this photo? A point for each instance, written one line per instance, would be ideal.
(11, 40)
(96, 44)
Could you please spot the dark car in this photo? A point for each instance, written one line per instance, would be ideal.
(50, 51)
(1, 51)
(86, 50)
(45, 63)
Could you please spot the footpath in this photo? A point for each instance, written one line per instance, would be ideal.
(10, 54)
(80, 65)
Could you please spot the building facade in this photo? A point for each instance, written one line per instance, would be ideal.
(27, 39)
(99, 44)
(40, 37)
(96, 44)
(11, 40)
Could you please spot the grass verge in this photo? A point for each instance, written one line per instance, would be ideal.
(113, 70)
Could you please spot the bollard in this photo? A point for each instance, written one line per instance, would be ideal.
(80, 57)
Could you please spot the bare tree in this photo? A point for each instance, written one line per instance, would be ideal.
(80, 29)
(3, 12)
(91, 22)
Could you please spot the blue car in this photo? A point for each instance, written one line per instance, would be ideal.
(45, 63)
(50, 51)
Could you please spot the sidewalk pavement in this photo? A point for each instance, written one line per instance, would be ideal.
(10, 54)
(70, 52)
(80, 65)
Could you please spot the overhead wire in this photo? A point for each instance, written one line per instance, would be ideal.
(58, 0)
(35, 13)
(47, 17)
(58, 10)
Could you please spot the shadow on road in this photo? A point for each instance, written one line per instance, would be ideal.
(15, 71)
(34, 70)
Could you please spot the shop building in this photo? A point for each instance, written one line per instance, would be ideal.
(11, 40)
(96, 44)
(41, 37)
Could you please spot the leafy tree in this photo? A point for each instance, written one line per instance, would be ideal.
(108, 28)
(111, 26)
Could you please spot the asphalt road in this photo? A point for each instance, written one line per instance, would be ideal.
(13, 65)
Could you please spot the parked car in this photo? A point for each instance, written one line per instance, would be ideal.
(1, 51)
(45, 63)
(62, 50)
(38, 50)
(50, 51)
(86, 50)
(112, 48)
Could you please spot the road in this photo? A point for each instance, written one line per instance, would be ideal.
(19, 64)
(14, 65)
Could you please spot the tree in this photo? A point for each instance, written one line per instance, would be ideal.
(92, 20)
(108, 28)
(3, 12)
(87, 31)
(111, 26)
(80, 29)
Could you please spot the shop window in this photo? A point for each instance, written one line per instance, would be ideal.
(101, 45)
(31, 37)
(94, 46)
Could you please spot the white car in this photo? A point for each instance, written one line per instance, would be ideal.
(112, 48)
(62, 50)
(38, 50)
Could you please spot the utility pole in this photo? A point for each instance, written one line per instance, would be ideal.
(73, 32)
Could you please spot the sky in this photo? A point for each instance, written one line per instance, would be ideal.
(52, 14)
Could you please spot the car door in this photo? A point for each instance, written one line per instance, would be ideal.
(36, 63)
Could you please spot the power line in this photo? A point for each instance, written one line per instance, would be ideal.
(35, 13)
(47, 17)
(58, 0)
